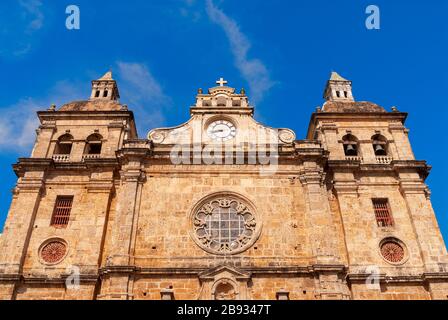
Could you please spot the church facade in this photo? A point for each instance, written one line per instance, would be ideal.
(222, 206)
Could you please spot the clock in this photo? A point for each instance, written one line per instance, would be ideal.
(221, 130)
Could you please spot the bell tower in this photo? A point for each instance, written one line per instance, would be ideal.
(338, 89)
(105, 88)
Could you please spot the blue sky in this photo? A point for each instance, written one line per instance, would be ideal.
(282, 52)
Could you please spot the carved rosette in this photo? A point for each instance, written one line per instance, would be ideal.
(286, 136)
(225, 225)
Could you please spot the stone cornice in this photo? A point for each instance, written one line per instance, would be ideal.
(419, 165)
(44, 279)
(348, 165)
(311, 269)
(395, 166)
(10, 277)
(87, 164)
(31, 164)
(53, 115)
(310, 150)
(222, 110)
(384, 278)
(135, 149)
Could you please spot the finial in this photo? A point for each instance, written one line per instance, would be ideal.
(394, 109)
(124, 107)
(52, 107)
(200, 91)
(243, 91)
(221, 82)
(318, 109)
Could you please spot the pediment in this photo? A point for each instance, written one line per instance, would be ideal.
(224, 271)
(248, 129)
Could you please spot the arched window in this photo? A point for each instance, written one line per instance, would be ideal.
(93, 144)
(350, 143)
(379, 144)
(64, 145)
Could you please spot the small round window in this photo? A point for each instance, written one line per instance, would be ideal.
(53, 251)
(225, 225)
(392, 251)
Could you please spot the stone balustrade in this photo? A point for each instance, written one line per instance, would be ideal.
(383, 159)
(61, 158)
(91, 156)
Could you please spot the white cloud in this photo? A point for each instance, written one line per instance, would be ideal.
(18, 125)
(144, 94)
(19, 121)
(34, 10)
(252, 70)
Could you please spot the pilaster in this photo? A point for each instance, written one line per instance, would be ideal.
(424, 223)
(118, 285)
(20, 222)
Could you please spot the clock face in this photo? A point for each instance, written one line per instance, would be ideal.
(221, 130)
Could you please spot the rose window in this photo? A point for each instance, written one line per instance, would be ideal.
(392, 251)
(53, 252)
(224, 225)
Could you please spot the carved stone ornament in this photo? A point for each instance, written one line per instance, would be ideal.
(286, 136)
(157, 136)
(225, 224)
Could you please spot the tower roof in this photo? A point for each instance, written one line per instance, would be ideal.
(107, 76)
(336, 77)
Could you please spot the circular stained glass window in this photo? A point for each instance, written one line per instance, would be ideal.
(225, 225)
(392, 251)
(53, 252)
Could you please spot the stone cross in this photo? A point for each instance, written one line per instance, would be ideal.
(221, 82)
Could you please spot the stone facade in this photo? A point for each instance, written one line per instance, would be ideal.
(222, 207)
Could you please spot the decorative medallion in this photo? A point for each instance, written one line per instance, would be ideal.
(225, 225)
(286, 136)
(53, 251)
